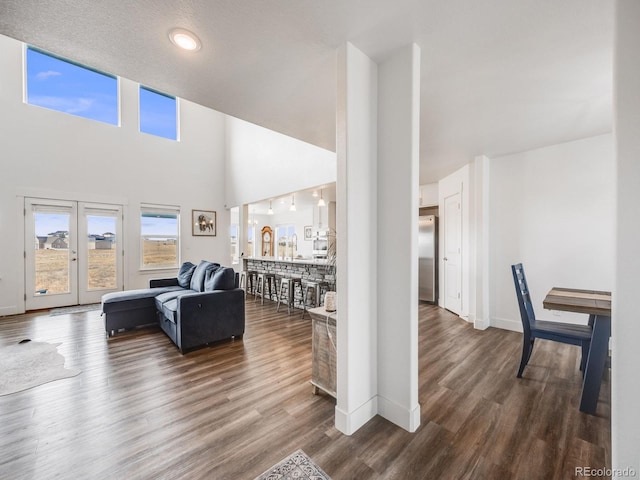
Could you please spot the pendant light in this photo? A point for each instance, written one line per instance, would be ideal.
(321, 201)
(270, 211)
(293, 203)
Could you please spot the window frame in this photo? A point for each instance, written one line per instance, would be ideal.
(158, 210)
(176, 112)
(62, 59)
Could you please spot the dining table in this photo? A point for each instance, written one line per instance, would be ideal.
(596, 304)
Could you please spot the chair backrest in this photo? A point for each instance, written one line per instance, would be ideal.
(527, 314)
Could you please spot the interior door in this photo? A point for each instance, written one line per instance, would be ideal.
(73, 252)
(50, 253)
(452, 258)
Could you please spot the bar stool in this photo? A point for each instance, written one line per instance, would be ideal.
(248, 280)
(243, 280)
(290, 284)
(252, 277)
(316, 288)
(265, 280)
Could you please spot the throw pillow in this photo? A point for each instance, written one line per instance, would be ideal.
(199, 275)
(185, 274)
(208, 274)
(224, 278)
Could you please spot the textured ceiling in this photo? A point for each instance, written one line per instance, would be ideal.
(498, 76)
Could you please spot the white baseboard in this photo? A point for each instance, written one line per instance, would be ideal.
(507, 324)
(398, 414)
(11, 310)
(349, 423)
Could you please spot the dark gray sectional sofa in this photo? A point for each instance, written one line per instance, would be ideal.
(203, 304)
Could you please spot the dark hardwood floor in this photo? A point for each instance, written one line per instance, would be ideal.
(140, 410)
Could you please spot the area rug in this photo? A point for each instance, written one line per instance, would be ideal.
(296, 466)
(75, 309)
(30, 364)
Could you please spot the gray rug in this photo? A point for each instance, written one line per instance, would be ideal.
(296, 466)
(30, 364)
(75, 309)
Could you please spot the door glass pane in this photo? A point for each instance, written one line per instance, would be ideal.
(52, 253)
(101, 249)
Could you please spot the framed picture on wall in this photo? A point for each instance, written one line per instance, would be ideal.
(203, 223)
(308, 232)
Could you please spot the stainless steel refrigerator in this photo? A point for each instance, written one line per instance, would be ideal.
(428, 258)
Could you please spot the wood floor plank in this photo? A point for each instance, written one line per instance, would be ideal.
(141, 410)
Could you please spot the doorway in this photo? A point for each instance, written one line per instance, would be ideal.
(73, 252)
(452, 253)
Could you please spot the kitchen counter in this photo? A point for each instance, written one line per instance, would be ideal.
(304, 261)
(309, 269)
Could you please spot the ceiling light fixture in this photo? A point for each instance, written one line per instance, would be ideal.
(185, 39)
(270, 211)
(293, 203)
(321, 201)
(314, 194)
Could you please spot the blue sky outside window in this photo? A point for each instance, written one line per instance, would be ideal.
(67, 87)
(158, 114)
(159, 225)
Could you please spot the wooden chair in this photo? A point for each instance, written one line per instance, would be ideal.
(556, 331)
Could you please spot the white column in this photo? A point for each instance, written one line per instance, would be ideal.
(243, 234)
(479, 312)
(377, 227)
(356, 144)
(397, 235)
(625, 416)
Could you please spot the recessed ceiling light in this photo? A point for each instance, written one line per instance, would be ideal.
(185, 39)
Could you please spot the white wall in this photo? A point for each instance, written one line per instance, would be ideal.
(52, 154)
(625, 416)
(553, 210)
(261, 164)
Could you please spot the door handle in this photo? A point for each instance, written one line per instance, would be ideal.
(73, 259)
(445, 259)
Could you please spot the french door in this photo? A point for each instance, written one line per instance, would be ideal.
(73, 252)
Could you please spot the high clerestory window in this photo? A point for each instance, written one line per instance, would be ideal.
(158, 114)
(58, 84)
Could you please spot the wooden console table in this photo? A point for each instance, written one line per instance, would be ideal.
(323, 350)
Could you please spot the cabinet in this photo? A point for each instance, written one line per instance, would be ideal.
(428, 195)
(323, 350)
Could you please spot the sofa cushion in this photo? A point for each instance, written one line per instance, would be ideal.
(223, 278)
(199, 274)
(170, 310)
(132, 299)
(168, 296)
(185, 274)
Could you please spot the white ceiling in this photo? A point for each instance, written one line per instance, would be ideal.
(498, 76)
